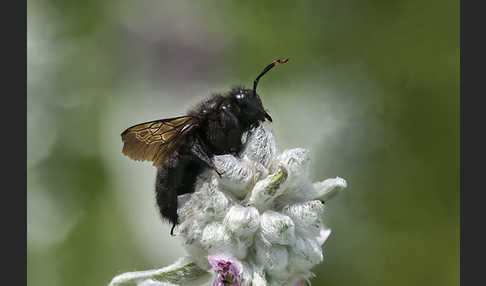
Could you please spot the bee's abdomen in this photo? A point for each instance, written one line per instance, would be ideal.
(175, 178)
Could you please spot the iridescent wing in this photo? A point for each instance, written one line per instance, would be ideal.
(156, 140)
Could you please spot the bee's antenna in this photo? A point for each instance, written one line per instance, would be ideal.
(267, 68)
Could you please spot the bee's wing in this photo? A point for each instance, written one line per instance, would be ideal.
(156, 140)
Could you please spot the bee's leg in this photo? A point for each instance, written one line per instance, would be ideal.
(228, 119)
(198, 150)
(232, 124)
(172, 229)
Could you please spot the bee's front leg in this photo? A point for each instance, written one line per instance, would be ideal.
(198, 150)
(231, 124)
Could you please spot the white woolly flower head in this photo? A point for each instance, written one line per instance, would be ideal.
(263, 211)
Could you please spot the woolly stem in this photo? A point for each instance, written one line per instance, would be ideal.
(182, 272)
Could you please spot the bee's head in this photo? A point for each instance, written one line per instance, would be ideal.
(248, 99)
(250, 105)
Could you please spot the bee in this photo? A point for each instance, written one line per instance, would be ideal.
(183, 147)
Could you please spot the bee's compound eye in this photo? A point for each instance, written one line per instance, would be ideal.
(240, 96)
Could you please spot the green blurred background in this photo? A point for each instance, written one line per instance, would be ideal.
(371, 89)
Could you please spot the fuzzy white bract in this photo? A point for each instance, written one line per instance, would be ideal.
(264, 216)
(264, 211)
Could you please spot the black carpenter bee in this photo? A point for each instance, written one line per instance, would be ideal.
(182, 147)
